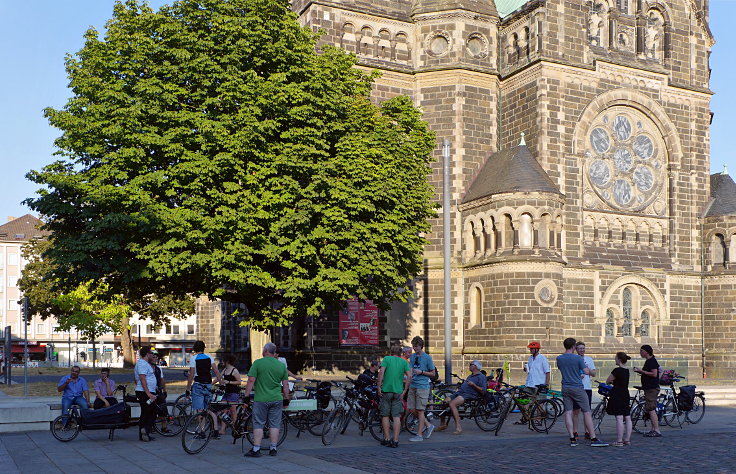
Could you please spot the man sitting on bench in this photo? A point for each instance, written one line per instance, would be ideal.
(75, 391)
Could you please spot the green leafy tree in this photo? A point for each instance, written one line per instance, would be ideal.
(209, 149)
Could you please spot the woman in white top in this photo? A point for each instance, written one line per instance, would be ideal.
(145, 391)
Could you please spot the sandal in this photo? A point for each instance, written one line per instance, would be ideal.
(457, 432)
(618, 444)
(441, 428)
(627, 443)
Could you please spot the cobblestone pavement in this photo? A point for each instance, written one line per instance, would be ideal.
(704, 448)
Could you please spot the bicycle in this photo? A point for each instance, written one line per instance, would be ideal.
(200, 427)
(604, 390)
(541, 415)
(435, 405)
(312, 420)
(341, 415)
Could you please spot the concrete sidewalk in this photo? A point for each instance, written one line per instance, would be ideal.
(705, 447)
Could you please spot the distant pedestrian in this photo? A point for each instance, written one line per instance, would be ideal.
(145, 392)
(422, 367)
(650, 384)
(619, 404)
(394, 378)
(270, 379)
(587, 386)
(571, 367)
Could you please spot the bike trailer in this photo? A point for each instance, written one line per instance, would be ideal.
(686, 397)
(112, 415)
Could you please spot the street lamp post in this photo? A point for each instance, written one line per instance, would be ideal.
(447, 262)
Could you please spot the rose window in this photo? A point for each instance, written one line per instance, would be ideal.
(626, 159)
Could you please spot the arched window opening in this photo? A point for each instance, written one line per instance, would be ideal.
(610, 324)
(490, 235)
(627, 307)
(483, 245)
(718, 249)
(644, 328)
(526, 238)
(508, 232)
(476, 306)
(544, 231)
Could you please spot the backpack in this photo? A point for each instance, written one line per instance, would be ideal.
(686, 397)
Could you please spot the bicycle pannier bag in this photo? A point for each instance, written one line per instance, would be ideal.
(113, 414)
(686, 397)
(324, 393)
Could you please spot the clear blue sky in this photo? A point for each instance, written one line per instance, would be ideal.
(36, 34)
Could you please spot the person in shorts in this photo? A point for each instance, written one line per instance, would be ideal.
(394, 378)
(473, 387)
(232, 382)
(650, 384)
(199, 378)
(422, 367)
(587, 386)
(572, 367)
(270, 379)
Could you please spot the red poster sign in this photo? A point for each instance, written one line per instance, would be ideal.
(359, 324)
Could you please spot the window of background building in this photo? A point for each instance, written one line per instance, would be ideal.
(13, 304)
(12, 281)
(190, 329)
(175, 330)
(150, 330)
(12, 259)
(40, 329)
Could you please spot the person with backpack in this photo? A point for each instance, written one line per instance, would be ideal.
(650, 384)
(422, 373)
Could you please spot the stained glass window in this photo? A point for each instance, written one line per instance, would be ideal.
(610, 324)
(644, 329)
(626, 328)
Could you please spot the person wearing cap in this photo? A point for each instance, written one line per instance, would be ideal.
(537, 367)
(650, 384)
(471, 389)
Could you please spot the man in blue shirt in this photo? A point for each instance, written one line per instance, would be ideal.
(422, 367)
(473, 387)
(75, 391)
(572, 367)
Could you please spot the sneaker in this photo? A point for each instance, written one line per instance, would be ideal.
(272, 452)
(598, 443)
(394, 444)
(587, 435)
(573, 442)
(416, 438)
(428, 431)
(253, 454)
(385, 442)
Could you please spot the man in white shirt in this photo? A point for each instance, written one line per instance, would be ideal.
(537, 367)
(588, 361)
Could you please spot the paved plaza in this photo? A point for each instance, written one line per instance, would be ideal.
(704, 448)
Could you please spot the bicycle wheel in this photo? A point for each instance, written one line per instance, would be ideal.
(197, 432)
(489, 414)
(640, 419)
(315, 419)
(374, 424)
(559, 406)
(598, 413)
(171, 423)
(283, 430)
(541, 417)
(696, 414)
(332, 426)
(65, 431)
(349, 415)
(185, 403)
(505, 409)
(671, 416)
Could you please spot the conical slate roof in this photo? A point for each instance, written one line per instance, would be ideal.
(512, 170)
(486, 7)
(723, 193)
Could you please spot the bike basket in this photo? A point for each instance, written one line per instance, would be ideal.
(605, 389)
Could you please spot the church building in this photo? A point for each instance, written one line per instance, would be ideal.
(582, 201)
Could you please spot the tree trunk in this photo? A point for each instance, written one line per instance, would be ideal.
(127, 344)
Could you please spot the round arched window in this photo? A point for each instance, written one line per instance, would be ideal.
(626, 159)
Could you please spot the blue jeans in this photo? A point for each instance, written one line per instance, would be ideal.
(66, 403)
(200, 395)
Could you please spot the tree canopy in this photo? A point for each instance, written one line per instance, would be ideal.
(209, 149)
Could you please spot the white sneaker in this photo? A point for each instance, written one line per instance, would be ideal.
(428, 431)
(416, 438)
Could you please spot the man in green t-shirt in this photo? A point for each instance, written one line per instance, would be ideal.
(270, 379)
(394, 378)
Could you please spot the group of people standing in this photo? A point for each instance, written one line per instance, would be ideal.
(576, 370)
